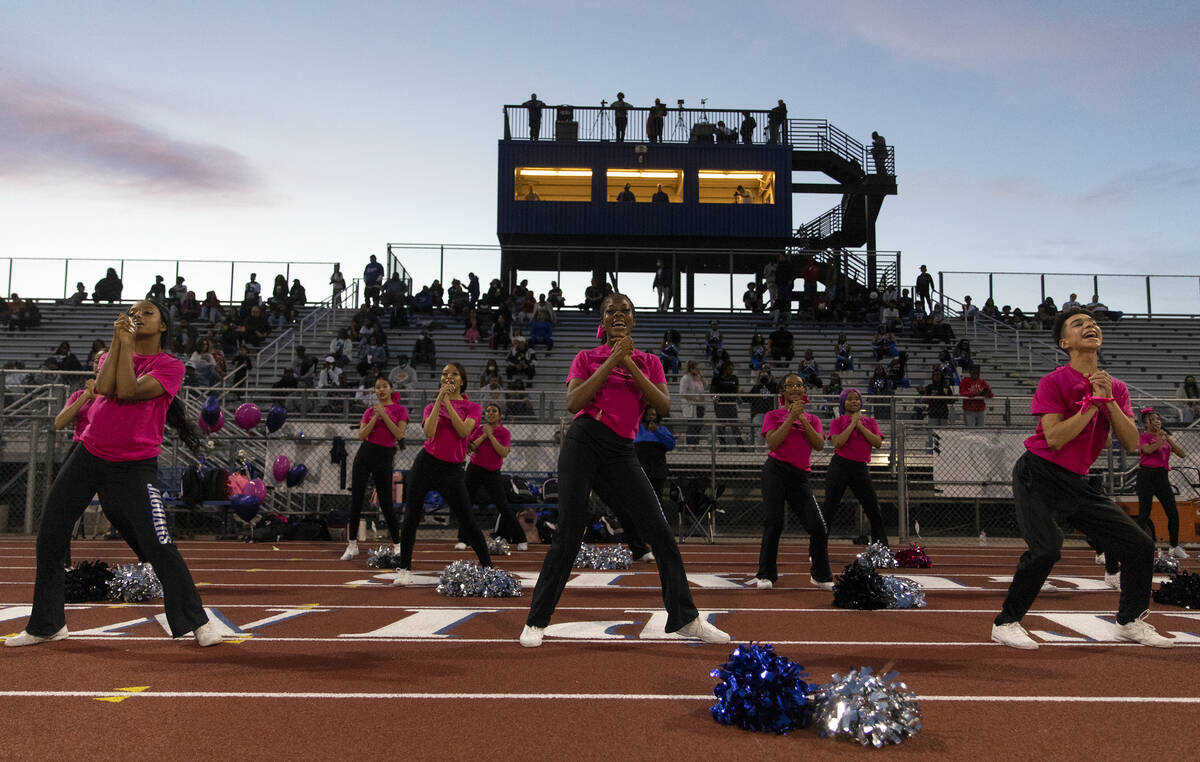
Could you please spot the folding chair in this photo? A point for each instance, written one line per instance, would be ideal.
(698, 508)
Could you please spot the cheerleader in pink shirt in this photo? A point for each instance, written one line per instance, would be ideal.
(118, 457)
(1154, 477)
(447, 423)
(854, 435)
(380, 430)
(608, 388)
(792, 435)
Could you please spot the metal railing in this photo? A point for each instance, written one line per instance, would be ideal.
(1161, 295)
(595, 123)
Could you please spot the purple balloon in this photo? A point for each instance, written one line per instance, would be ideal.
(245, 506)
(211, 410)
(256, 488)
(209, 428)
(247, 415)
(296, 474)
(280, 468)
(276, 417)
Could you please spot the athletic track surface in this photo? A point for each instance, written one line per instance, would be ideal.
(325, 660)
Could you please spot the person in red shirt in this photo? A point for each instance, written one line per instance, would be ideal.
(974, 390)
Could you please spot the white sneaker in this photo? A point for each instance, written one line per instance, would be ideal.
(1048, 588)
(700, 628)
(460, 546)
(1141, 631)
(403, 578)
(207, 634)
(1178, 552)
(763, 584)
(25, 639)
(1113, 580)
(822, 585)
(351, 551)
(1100, 559)
(522, 546)
(1013, 635)
(647, 558)
(531, 637)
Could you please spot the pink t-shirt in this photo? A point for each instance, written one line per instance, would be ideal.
(485, 456)
(380, 433)
(81, 415)
(856, 448)
(1160, 458)
(1060, 391)
(446, 444)
(618, 403)
(795, 450)
(134, 430)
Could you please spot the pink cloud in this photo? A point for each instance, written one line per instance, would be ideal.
(49, 130)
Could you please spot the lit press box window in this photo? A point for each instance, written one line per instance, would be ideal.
(736, 187)
(641, 186)
(552, 184)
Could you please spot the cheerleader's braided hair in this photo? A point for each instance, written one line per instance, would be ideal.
(177, 417)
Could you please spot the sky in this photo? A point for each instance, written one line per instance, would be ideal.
(1029, 136)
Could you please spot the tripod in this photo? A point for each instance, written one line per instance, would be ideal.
(681, 128)
(600, 123)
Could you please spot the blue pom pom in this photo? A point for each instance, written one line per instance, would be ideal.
(762, 691)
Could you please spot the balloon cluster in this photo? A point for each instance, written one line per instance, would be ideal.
(1181, 589)
(605, 557)
(133, 583)
(212, 417)
(913, 557)
(462, 579)
(762, 691)
(1165, 563)
(247, 416)
(498, 546)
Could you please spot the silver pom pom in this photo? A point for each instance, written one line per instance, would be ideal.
(1165, 563)
(586, 557)
(605, 557)
(133, 583)
(383, 557)
(498, 546)
(903, 593)
(879, 556)
(872, 710)
(461, 579)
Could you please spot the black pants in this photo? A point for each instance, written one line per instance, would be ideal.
(783, 482)
(130, 484)
(447, 479)
(592, 455)
(1152, 483)
(614, 497)
(1046, 495)
(494, 486)
(622, 122)
(373, 462)
(844, 473)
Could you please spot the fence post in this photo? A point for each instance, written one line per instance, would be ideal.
(1149, 308)
(901, 484)
(30, 477)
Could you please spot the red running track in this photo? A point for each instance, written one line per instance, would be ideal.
(326, 659)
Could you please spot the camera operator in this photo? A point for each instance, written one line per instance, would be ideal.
(655, 121)
(620, 109)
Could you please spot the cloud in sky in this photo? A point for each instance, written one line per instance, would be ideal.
(1155, 181)
(53, 130)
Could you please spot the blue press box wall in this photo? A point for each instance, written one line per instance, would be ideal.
(603, 218)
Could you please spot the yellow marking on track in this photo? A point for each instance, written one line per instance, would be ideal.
(118, 699)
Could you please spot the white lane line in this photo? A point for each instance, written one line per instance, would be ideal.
(631, 641)
(330, 696)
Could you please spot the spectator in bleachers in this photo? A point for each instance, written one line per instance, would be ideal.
(942, 331)
(501, 337)
(975, 391)
(1101, 310)
(77, 298)
(372, 283)
(947, 368)
(304, 367)
(184, 339)
(276, 317)
(425, 350)
(252, 293)
(884, 343)
(833, 388)
(403, 376)
(297, 295)
(158, 290)
(990, 309)
(279, 290)
(961, 356)
(525, 309)
(18, 313)
(593, 295)
(366, 388)
(668, 355)
(922, 326)
(555, 296)
(108, 288)
(1006, 315)
(457, 299)
(1020, 321)
(904, 306)
(889, 316)
(257, 327)
(471, 334)
(722, 359)
(934, 397)
(810, 371)
(339, 347)
(438, 294)
(1045, 313)
(752, 298)
(969, 310)
(367, 328)
(781, 343)
(422, 301)
(337, 282)
(15, 376)
(189, 308)
(47, 373)
(492, 392)
(472, 290)
(330, 376)
(489, 369)
(495, 294)
(897, 370)
(521, 360)
(1072, 302)
(758, 351)
(374, 355)
(1190, 393)
(98, 348)
(202, 364)
(691, 391)
(518, 401)
(843, 356)
(210, 309)
(67, 361)
(176, 293)
(725, 387)
(763, 396)
(242, 365)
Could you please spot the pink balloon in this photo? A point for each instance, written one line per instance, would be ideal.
(209, 428)
(280, 468)
(247, 415)
(255, 488)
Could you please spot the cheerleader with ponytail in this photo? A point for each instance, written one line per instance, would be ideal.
(1155, 446)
